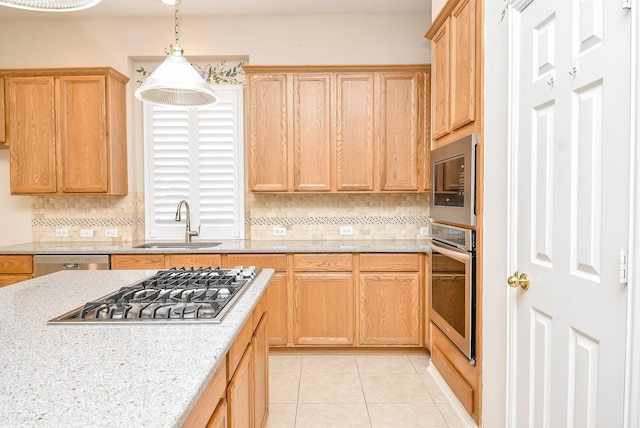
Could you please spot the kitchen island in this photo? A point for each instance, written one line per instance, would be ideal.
(81, 375)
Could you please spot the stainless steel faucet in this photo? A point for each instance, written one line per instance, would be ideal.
(188, 233)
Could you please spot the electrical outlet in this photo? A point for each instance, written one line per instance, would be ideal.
(86, 233)
(111, 233)
(279, 231)
(62, 233)
(346, 230)
(424, 231)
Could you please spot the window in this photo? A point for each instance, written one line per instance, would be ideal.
(195, 154)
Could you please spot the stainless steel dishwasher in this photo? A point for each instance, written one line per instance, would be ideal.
(44, 264)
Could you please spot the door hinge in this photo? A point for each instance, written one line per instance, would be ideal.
(622, 279)
(626, 4)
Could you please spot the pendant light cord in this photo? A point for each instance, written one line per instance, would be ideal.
(177, 27)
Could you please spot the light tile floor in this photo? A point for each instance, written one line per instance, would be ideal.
(373, 391)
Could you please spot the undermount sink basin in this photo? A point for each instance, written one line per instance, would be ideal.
(197, 244)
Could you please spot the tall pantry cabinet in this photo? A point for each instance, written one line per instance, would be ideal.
(66, 131)
(457, 45)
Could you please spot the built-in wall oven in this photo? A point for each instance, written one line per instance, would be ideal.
(453, 285)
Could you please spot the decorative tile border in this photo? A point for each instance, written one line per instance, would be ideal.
(356, 220)
(87, 222)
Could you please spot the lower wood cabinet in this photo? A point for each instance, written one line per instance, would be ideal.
(390, 299)
(15, 268)
(276, 297)
(323, 295)
(238, 394)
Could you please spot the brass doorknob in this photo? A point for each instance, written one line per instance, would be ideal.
(521, 280)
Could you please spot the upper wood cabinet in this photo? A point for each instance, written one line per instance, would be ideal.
(3, 134)
(453, 53)
(338, 129)
(66, 131)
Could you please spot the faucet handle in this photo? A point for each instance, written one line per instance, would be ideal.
(194, 232)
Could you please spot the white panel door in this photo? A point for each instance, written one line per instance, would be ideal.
(571, 187)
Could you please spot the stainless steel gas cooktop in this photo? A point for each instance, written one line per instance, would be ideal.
(174, 295)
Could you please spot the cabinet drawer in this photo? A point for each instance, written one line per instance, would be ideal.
(8, 279)
(137, 261)
(192, 260)
(454, 368)
(271, 261)
(16, 264)
(389, 262)
(323, 262)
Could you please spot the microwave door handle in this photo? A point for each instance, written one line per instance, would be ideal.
(456, 255)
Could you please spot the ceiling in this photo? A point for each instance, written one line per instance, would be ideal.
(134, 8)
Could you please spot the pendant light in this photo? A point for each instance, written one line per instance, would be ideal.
(50, 5)
(175, 82)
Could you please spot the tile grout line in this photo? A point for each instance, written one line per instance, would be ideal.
(364, 395)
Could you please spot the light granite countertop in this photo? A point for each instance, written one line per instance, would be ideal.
(226, 246)
(78, 375)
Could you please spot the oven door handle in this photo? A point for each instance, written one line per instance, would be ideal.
(455, 255)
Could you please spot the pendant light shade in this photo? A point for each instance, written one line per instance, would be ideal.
(50, 5)
(175, 82)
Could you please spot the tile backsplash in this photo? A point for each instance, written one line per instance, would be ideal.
(304, 217)
(319, 216)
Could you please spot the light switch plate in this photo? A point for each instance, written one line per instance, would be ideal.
(86, 233)
(279, 231)
(62, 233)
(111, 233)
(346, 230)
(424, 231)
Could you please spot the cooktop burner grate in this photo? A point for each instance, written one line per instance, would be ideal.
(203, 294)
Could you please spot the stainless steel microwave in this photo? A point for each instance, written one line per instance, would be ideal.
(453, 197)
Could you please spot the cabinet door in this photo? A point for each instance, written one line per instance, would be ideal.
(239, 392)
(261, 374)
(400, 134)
(390, 309)
(268, 130)
(323, 312)
(219, 418)
(440, 50)
(354, 131)
(31, 134)
(463, 64)
(277, 308)
(81, 134)
(3, 135)
(312, 131)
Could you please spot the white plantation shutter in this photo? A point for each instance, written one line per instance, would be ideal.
(196, 154)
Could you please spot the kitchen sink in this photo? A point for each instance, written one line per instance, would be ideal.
(197, 244)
